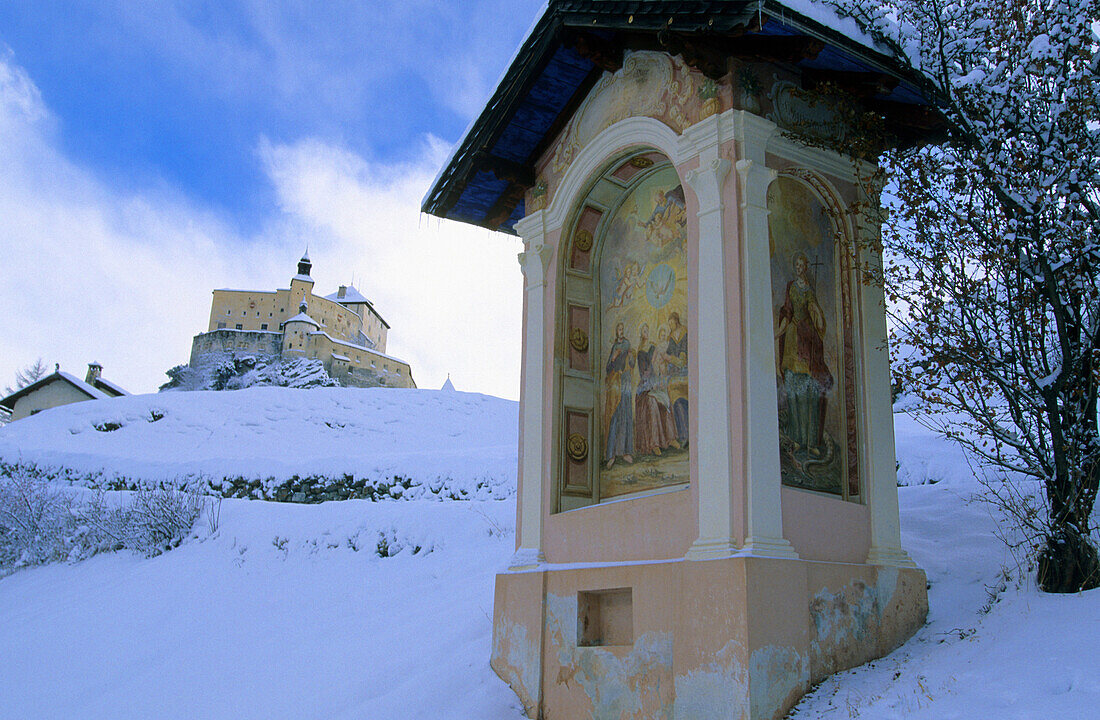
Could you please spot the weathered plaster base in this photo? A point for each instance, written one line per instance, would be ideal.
(740, 638)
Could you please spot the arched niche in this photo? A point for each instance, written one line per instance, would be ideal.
(813, 300)
(621, 354)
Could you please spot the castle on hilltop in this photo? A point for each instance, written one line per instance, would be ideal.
(342, 330)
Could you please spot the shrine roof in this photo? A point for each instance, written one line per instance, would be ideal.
(574, 41)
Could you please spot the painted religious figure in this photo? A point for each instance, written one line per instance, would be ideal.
(806, 289)
(644, 346)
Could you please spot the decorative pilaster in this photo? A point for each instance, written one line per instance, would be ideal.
(878, 431)
(535, 263)
(713, 441)
(764, 510)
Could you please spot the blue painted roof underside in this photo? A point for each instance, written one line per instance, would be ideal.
(547, 96)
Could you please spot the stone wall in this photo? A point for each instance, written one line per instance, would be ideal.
(264, 342)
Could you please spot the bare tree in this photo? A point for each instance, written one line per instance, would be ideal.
(993, 262)
(28, 375)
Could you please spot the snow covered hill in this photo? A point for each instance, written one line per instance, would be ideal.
(440, 442)
(381, 610)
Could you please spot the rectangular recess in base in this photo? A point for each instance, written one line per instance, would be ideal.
(605, 617)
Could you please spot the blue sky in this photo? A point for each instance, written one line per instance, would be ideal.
(196, 145)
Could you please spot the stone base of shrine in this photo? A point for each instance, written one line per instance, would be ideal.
(739, 638)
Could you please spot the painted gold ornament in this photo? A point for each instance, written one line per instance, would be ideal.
(583, 240)
(577, 447)
(578, 340)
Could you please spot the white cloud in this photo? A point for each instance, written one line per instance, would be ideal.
(97, 273)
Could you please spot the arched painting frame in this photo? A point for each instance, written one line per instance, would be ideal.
(624, 321)
(815, 354)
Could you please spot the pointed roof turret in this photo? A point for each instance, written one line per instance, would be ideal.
(448, 386)
(304, 265)
(302, 316)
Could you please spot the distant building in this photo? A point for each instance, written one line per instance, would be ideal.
(343, 330)
(60, 388)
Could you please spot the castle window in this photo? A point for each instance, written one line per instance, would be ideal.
(227, 312)
(238, 326)
(263, 326)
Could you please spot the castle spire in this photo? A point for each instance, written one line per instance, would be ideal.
(304, 265)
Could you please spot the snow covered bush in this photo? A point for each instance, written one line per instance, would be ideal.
(992, 237)
(36, 523)
(40, 523)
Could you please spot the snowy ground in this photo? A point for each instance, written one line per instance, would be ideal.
(289, 611)
(466, 440)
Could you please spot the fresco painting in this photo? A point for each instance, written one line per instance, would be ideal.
(813, 432)
(643, 340)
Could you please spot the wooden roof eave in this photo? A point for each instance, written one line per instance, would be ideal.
(474, 151)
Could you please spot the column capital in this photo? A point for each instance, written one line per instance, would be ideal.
(707, 180)
(755, 179)
(753, 134)
(534, 262)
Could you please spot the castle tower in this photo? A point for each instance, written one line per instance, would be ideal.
(296, 330)
(301, 285)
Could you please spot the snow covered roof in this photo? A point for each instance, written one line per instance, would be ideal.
(256, 292)
(341, 357)
(91, 392)
(448, 385)
(351, 295)
(361, 348)
(109, 387)
(305, 278)
(302, 317)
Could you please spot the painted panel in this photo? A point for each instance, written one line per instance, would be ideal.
(579, 333)
(581, 256)
(577, 461)
(808, 295)
(643, 339)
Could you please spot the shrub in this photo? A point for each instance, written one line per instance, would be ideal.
(41, 524)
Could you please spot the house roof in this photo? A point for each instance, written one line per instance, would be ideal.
(109, 387)
(57, 376)
(353, 297)
(575, 41)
